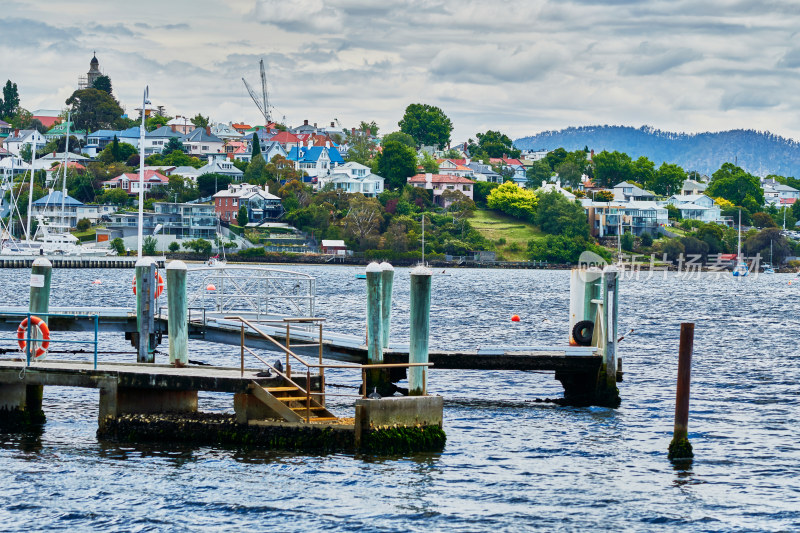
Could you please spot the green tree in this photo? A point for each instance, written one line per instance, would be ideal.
(538, 172)
(149, 244)
(174, 247)
(495, 144)
(644, 170)
(759, 243)
(10, 101)
(372, 127)
(93, 109)
(241, 217)
(155, 121)
(513, 201)
(427, 124)
(611, 168)
(667, 180)
(627, 241)
(603, 196)
(363, 219)
(83, 224)
(735, 185)
(200, 121)
(206, 183)
(173, 145)
(557, 215)
(102, 83)
(256, 146)
(116, 152)
(199, 246)
(118, 245)
(763, 220)
(428, 163)
(570, 172)
(555, 158)
(396, 163)
(402, 138)
(256, 172)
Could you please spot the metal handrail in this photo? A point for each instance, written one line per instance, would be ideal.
(309, 366)
(29, 339)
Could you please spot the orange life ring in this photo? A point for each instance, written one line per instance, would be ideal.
(39, 325)
(159, 285)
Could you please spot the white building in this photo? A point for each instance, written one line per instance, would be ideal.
(353, 177)
(20, 138)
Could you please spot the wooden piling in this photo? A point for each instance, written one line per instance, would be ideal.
(145, 307)
(41, 273)
(387, 283)
(374, 346)
(177, 324)
(680, 447)
(420, 310)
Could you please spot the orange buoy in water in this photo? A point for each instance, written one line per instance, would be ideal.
(515, 318)
(210, 287)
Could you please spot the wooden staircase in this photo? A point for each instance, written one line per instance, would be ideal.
(290, 403)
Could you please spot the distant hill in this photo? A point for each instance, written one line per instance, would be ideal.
(759, 153)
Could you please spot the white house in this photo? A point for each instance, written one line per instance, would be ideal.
(219, 164)
(548, 186)
(696, 207)
(19, 138)
(202, 141)
(353, 177)
(779, 194)
(626, 192)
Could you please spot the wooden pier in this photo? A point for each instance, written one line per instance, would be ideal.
(65, 261)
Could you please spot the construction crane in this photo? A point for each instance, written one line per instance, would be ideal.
(263, 103)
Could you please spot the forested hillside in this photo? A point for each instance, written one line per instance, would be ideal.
(759, 153)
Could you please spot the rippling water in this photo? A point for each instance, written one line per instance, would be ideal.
(510, 464)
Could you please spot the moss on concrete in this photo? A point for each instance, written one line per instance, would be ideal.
(680, 449)
(15, 419)
(402, 440)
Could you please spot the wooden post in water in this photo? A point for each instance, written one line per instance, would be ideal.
(680, 447)
(177, 324)
(374, 346)
(419, 321)
(145, 287)
(387, 283)
(41, 273)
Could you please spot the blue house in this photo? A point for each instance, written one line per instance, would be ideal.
(316, 161)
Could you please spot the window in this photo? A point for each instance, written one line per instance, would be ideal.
(466, 187)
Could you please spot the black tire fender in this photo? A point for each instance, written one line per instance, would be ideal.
(582, 332)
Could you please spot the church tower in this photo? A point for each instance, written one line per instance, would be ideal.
(87, 81)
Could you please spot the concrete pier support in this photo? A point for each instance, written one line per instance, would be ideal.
(116, 401)
(145, 309)
(375, 378)
(177, 325)
(20, 405)
(387, 284)
(608, 378)
(420, 310)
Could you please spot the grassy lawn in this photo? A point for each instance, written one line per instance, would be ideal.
(494, 226)
(85, 236)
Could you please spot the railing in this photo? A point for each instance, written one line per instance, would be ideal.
(260, 292)
(30, 339)
(319, 366)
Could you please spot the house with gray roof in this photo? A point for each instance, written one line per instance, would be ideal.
(154, 141)
(20, 138)
(201, 141)
(486, 173)
(629, 192)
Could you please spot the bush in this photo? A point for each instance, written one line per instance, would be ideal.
(174, 246)
(253, 252)
(200, 246)
(118, 245)
(647, 240)
(149, 245)
(627, 241)
(563, 249)
(83, 224)
(501, 241)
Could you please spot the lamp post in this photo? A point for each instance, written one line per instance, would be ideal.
(145, 101)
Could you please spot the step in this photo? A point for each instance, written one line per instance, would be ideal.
(281, 389)
(324, 419)
(312, 408)
(291, 398)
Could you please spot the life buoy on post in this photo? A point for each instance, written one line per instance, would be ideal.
(582, 332)
(159, 285)
(39, 331)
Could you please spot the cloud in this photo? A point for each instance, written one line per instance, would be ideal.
(303, 16)
(650, 60)
(791, 59)
(22, 32)
(488, 64)
(749, 98)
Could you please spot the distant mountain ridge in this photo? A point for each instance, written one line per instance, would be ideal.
(760, 153)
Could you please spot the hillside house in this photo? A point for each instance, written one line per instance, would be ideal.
(129, 182)
(439, 183)
(260, 204)
(353, 177)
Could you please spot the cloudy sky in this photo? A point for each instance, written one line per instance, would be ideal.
(517, 66)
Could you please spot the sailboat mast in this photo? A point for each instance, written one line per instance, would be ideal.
(739, 239)
(423, 238)
(30, 191)
(64, 183)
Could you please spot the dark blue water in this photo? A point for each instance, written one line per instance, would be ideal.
(510, 464)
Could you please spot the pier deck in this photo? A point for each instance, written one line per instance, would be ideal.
(336, 346)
